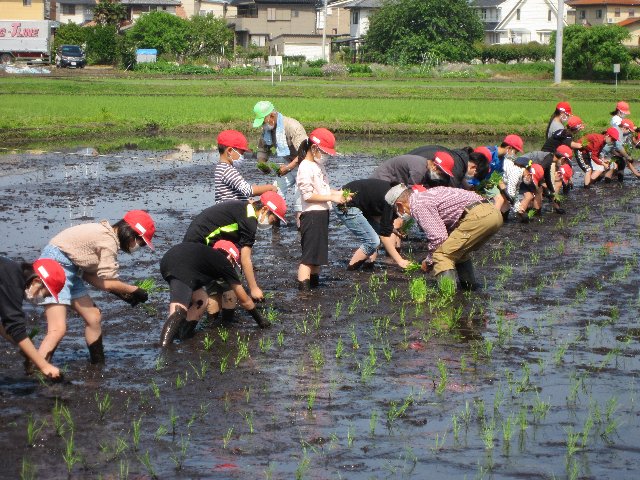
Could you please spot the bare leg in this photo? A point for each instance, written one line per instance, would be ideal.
(91, 316)
(304, 272)
(56, 315)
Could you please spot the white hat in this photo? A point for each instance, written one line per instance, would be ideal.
(394, 193)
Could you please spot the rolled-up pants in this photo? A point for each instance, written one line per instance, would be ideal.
(478, 225)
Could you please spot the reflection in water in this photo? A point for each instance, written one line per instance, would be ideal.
(85, 176)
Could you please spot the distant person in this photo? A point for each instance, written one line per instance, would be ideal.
(195, 271)
(559, 118)
(468, 164)
(620, 112)
(566, 136)
(34, 282)
(510, 147)
(284, 135)
(89, 253)
(229, 184)
(416, 170)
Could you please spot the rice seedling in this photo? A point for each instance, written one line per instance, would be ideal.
(179, 457)
(540, 409)
(311, 398)
(280, 338)
(354, 337)
(350, 436)
(149, 285)
(576, 383)
(173, 420)
(268, 472)
(160, 363)
(135, 433)
(317, 357)
(272, 315)
(316, 316)
(145, 460)
(247, 393)
(268, 167)
(303, 465)
(104, 404)
(28, 470)
(243, 349)
(396, 411)
(181, 381)
(338, 310)
(572, 441)
(387, 351)
(488, 348)
(586, 430)
(265, 344)
(507, 430)
(339, 348)
(438, 443)
(223, 333)
(207, 342)
(192, 420)
(559, 353)
(302, 327)
(60, 414)
(201, 370)
(70, 457)
(455, 423)
(373, 422)
(488, 434)
(226, 403)
(442, 382)
(224, 363)
(227, 437)
(353, 306)
(412, 267)
(248, 418)
(479, 405)
(33, 429)
(418, 290)
(123, 473)
(161, 432)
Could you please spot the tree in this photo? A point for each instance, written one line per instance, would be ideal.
(109, 12)
(102, 44)
(411, 31)
(588, 52)
(162, 31)
(69, 34)
(208, 35)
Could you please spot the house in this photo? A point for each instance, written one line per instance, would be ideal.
(75, 11)
(22, 9)
(359, 13)
(517, 21)
(218, 8)
(135, 8)
(625, 13)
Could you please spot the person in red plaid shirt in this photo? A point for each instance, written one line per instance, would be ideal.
(456, 223)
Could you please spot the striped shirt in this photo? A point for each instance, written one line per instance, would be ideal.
(438, 211)
(229, 184)
(512, 177)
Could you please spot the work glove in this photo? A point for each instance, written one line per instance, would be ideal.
(134, 298)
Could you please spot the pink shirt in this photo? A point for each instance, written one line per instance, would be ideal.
(312, 179)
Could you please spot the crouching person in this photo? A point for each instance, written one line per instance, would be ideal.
(34, 282)
(190, 268)
(456, 223)
(89, 252)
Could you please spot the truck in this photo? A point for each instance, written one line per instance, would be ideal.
(26, 40)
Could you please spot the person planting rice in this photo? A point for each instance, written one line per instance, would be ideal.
(622, 154)
(89, 252)
(510, 146)
(567, 178)
(566, 136)
(370, 218)
(316, 195)
(550, 163)
(559, 118)
(237, 221)
(468, 165)
(518, 188)
(620, 112)
(414, 170)
(284, 134)
(229, 184)
(194, 272)
(43, 278)
(456, 223)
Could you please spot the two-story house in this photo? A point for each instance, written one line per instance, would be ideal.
(625, 13)
(22, 9)
(517, 21)
(360, 11)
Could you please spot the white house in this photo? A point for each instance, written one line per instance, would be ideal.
(360, 10)
(518, 21)
(75, 11)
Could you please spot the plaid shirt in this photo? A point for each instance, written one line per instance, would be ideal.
(438, 211)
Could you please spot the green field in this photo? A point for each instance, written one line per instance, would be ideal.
(37, 110)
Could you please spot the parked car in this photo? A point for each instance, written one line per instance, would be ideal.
(70, 56)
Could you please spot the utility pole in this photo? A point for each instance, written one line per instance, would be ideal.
(557, 71)
(324, 32)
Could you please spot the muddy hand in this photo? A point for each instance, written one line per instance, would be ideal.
(172, 325)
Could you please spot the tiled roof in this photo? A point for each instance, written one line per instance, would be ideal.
(363, 4)
(276, 2)
(584, 3)
(151, 2)
(487, 3)
(629, 21)
(76, 2)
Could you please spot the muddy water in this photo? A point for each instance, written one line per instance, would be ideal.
(539, 379)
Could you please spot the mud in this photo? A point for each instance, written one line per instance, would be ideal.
(538, 379)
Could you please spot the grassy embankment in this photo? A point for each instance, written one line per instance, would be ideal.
(115, 111)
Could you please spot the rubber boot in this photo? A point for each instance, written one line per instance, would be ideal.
(304, 285)
(445, 278)
(96, 351)
(187, 330)
(368, 266)
(355, 266)
(227, 316)
(314, 280)
(172, 325)
(260, 320)
(467, 276)
(505, 216)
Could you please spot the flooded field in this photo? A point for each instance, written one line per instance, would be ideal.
(371, 376)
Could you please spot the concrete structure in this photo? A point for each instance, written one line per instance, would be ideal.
(75, 11)
(359, 13)
(22, 10)
(517, 21)
(625, 13)
(309, 46)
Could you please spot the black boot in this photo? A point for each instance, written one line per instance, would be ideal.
(187, 330)
(172, 325)
(314, 280)
(96, 351)
(355, 266)
(467, 276)
(260, 320)
(505, 216)
(227, 316)
(304, 285)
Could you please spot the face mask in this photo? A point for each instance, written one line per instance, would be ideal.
(527, 181)
(469, 177)
(322, 160)
(405, 217)
(135, 247)
(263, 222)
(435, 175)
(268, 127)
(238, 161)
(34, 299)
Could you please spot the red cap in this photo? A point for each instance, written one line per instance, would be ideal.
(486, 152)
(567, 173)
(613, 133)
(142, 223)
(564, 107)
(623, 107)
(575, 123)
(564, 152)
(514, 141)
(51, 274)
(418, 188)
(626, 122)
(275, 203)
(537, 173)
(234, 139)
(324, 139)
(444, 161)
(228, 247)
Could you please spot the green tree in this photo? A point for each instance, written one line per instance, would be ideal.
(69, 34)
(162, 31)
(589, 52)
(102, 44)
(109, 12)
(209, 35)
(414, 31)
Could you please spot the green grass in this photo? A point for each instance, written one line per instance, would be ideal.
(33, 110)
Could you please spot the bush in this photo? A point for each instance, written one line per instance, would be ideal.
(317, 63)
(510, 52)
(102, 44)
(334, 70)
(358, 68)
(69, 34)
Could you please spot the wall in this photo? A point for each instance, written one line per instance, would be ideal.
(285, 22)
(534, 17)
(15, 10)
(83, 13)
(360, 29)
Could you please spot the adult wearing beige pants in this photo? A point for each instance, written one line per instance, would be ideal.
(456, 222)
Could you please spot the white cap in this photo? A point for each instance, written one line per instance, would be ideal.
(394, 193)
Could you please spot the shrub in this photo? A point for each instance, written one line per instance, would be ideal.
(316, 63)
(334, 70)
(102, 44)
(358, 68)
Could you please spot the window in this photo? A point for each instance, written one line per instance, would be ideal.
(247, 11)
(68, 9)
(295, 13)
(484, 14)
(271, 14)
(598, 13)
(616, 12)
(355, 17)
(518, 14)
(583, 14)
(548, 15)
(632, 13)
